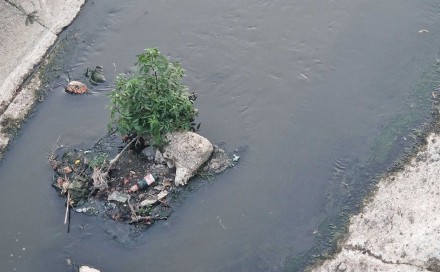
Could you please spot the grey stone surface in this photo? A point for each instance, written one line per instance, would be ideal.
(21, 48)
(54, 14)
(399, 228)
(356, 261)
(23, 44)
(149, 152)
(17, 110)
(187, 151)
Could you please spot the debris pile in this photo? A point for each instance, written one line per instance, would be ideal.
(136, 188)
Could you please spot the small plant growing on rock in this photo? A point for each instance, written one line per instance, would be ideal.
(153, 101)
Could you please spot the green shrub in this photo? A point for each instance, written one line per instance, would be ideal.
(153, 101)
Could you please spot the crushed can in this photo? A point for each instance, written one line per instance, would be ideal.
(143, 183)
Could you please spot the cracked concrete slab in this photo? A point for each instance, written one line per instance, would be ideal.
(28, 29)
(21, 47)
(399, 227)
(53, 15)
(356, 261)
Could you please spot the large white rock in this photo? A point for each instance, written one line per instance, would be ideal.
(187, 151)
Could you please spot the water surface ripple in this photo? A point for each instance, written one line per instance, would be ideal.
(301, 88)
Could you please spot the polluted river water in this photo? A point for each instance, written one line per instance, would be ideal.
(303, 90)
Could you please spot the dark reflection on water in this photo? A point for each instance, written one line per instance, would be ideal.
(302, 88)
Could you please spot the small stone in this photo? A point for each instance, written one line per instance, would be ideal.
(235, 158)
(149, 152)
(76, 87)
(117, 196)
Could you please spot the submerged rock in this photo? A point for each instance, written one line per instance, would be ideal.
(217, 163)
(187, 151)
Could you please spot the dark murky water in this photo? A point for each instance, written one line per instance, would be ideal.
(303, 89)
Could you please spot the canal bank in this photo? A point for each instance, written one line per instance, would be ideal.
(28, 29)
(399, 224)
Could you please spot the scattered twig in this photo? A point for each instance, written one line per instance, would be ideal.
(67, 215)
(55, 148)
(105, 136)
(161, 201)
(115, 159)
(144, 219)
(137, 218)
(67, 207)
(52, 156)
(133, 212)
(165, 204)
(100, 177)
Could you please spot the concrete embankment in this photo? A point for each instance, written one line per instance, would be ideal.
(28, 29)
(399, 226)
